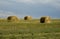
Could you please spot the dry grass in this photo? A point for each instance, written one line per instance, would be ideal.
(30, 30)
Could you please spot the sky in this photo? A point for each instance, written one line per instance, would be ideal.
(34, 8)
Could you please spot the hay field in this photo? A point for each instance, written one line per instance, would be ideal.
(32, 29)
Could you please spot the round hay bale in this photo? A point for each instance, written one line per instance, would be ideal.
(27, 18)
(12, 19)
(45, 19)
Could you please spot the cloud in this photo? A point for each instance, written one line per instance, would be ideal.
(54, 3)
(37, 1)
(23, 1)
(6, 13)
(2, 2)
(40, 2)
(35, 8)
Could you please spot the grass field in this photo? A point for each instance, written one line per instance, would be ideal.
(30, 29)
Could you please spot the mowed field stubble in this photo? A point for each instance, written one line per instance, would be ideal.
(32, 29)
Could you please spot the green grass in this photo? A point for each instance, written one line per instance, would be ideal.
(30, 29)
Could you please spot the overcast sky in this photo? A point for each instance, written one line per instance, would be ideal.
(34, 8)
